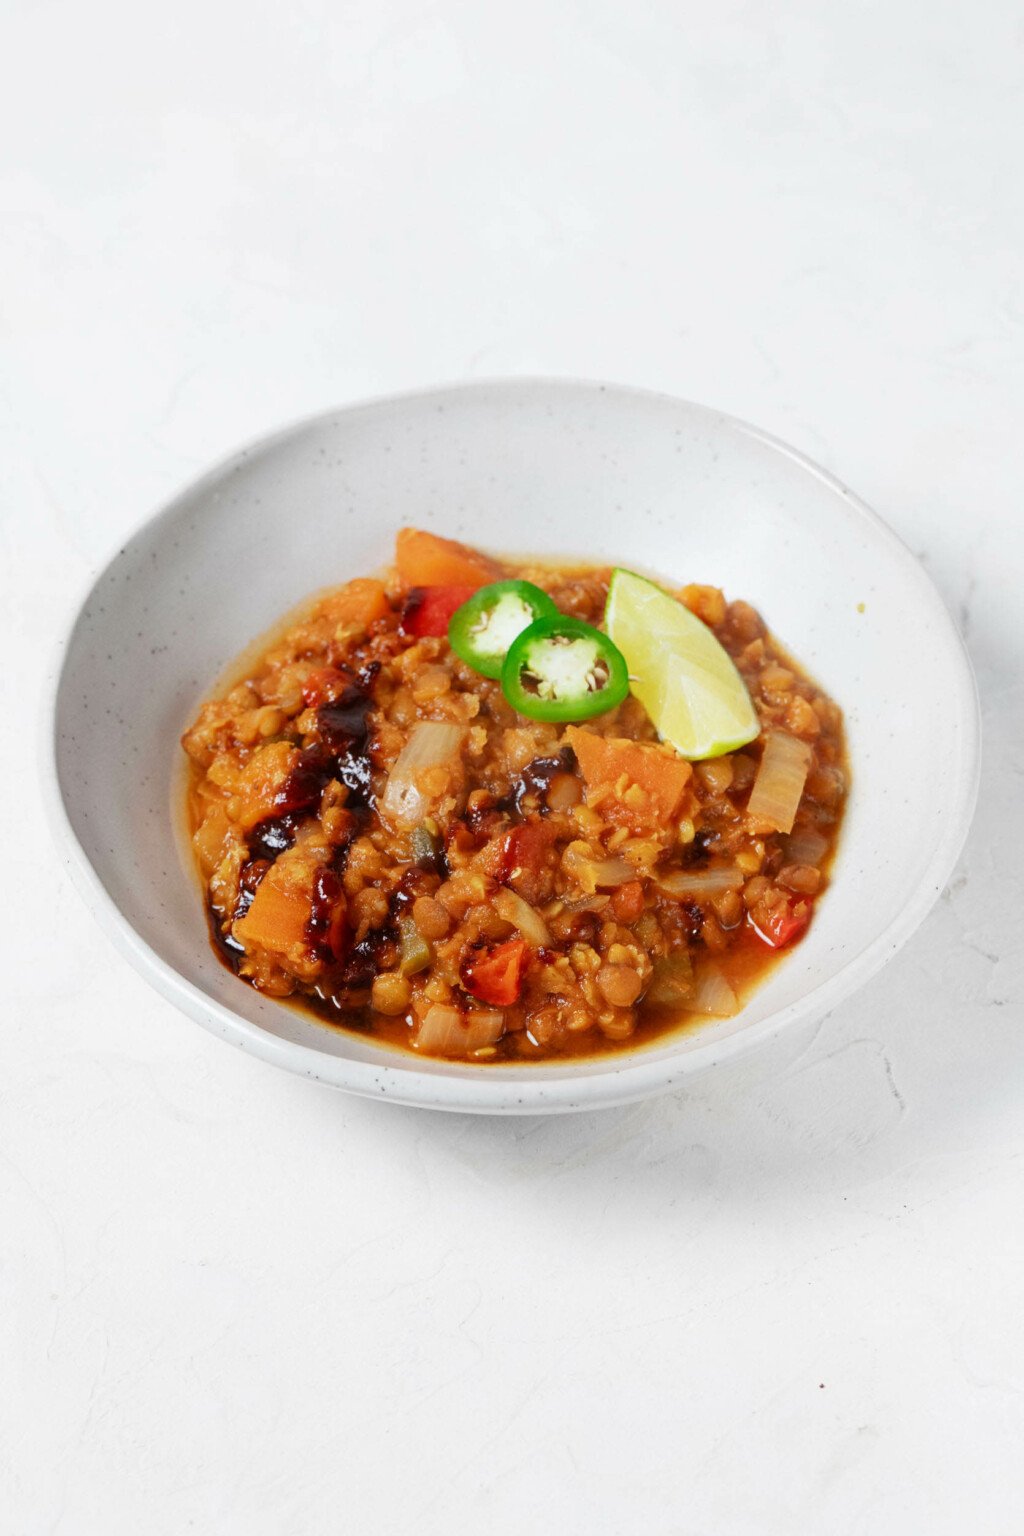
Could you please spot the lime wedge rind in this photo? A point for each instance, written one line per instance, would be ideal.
(685, 680)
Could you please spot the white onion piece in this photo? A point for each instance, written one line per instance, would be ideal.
(441, 1030)
(484, 1026)
(700, 883)
(521, 915)
(806, 846)
(447, 1031)
(781, 776)
(712, 994)
(564, 791)
(431, 743)
(608, 873)
(595, 874)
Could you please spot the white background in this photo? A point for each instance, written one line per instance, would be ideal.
(788, 1301)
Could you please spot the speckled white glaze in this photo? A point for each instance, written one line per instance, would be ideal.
(558, 468)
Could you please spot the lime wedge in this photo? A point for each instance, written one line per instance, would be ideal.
(684, 679)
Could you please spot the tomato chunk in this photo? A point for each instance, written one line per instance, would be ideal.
(428, 610)
(784, 923)
(495, 976)
(525, 861)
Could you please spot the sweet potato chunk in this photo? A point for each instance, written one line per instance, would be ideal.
(355, 605)
(426, 560)
(647, 780)
(277, 918)
(260, 779)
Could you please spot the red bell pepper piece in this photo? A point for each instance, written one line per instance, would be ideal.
(495, 976)
(785, 924)
(428, 610)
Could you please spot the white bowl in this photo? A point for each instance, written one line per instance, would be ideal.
(560, 468)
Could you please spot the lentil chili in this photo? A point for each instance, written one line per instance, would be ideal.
(385, 840)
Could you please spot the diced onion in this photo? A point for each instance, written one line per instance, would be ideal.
(431, 743)
(447, 1031)
(484, 1026)
(608, 873)
(442, 1031)
(806, 846)
(699, 883)
(712, 994)
(564, 791)
(780, 781)
(595, 874)
(521, 915)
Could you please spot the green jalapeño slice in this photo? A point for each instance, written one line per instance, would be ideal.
(563, 669)
(482, 630)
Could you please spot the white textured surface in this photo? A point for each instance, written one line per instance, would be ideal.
(790, 1301)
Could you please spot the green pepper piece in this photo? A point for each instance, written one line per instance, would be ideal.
(426, 845)
(563, 669)
(482, 630)
(416, 953)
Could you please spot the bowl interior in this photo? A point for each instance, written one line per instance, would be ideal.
(559, 469)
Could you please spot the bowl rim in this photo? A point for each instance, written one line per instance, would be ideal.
(509, 1090)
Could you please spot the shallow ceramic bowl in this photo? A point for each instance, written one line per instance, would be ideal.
(561, 469)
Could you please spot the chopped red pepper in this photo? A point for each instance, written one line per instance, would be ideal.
(524, 862)
(495, 976)
(428, 610)
(784, 924)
